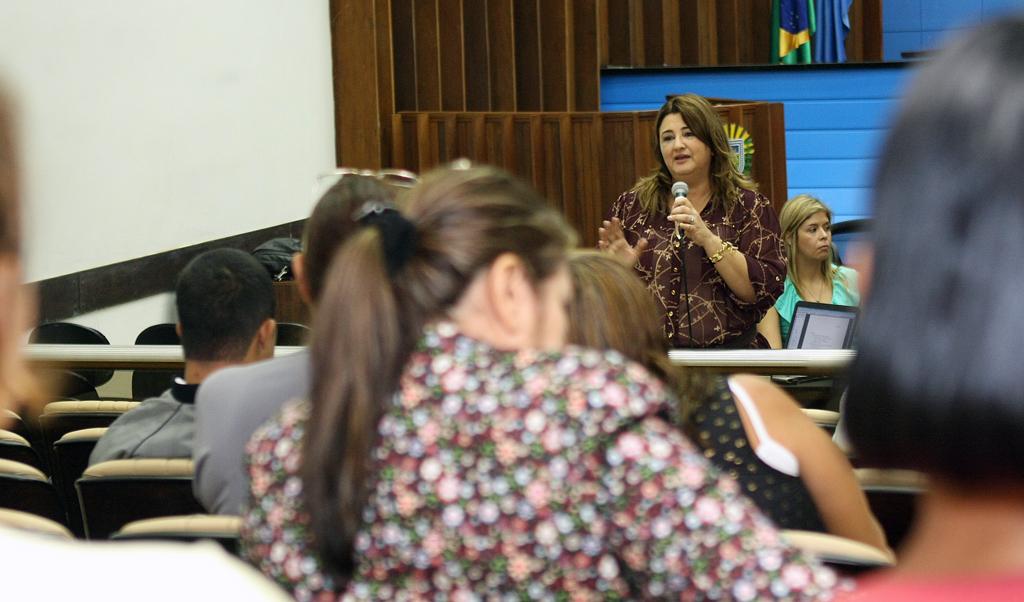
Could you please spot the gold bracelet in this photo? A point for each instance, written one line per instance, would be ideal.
(727, 247)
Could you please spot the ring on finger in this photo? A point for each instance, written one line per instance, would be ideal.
(692, 220)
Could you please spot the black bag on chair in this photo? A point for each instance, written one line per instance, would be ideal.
(276, 257)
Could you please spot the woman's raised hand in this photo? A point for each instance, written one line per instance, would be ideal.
(612, 240)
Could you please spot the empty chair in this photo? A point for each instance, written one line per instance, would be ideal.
(25, 488)
(25, 521)
(893, 496)
(115, 493)
(13, 422)
(292, 334)
(67, 333)
(844, 555)
(151, 383)
(70, 459)
(15, 447)
(220, 528)
(60, 417)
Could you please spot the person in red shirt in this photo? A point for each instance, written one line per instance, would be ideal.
(936, 385)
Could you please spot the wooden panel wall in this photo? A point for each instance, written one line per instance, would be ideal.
(527, 55)
(650, 33)
(579, 161)
(495, 55)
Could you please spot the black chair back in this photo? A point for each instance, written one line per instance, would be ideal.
(70, 459)
(291, 334)
(151, 383)
(27, 489)
(67, 333)
(15, 447)
(115, 493)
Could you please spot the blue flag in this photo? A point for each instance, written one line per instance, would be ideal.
(833, 26)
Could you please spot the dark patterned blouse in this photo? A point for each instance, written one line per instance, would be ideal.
(718, 430)
(506, 475)
(717, 316)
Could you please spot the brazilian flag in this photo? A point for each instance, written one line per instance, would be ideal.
(793, 24)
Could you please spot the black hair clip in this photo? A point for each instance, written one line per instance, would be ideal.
(397, 234)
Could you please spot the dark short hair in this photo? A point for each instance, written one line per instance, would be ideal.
(223, 296)
(937, 382)
(332, 222)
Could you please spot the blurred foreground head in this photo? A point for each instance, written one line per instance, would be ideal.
(937, 383)
(16, 385)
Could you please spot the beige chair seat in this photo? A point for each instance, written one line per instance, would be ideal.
(222, 529)
(824, 418)
(20, 469)
(10, 437)
(25, 521)
(70, 459)
(220, 524)
(60, 417)
(883, 478)
(26, 488)
(142, 467)
(88, 405)
(846, 555)
(893, 496)
(16, 447)
(114, 493)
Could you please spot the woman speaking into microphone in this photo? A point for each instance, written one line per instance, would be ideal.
(699, 234)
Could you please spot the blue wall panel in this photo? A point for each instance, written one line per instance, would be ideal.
(836, 118)
(915, 25)
(852, 144)
(939, 15)
(901, 15)
(894, 44)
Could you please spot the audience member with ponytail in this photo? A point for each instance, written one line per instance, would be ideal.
(455, 448)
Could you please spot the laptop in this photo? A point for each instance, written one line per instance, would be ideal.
(822, 326)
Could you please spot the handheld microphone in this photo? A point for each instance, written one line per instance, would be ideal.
(679, 190)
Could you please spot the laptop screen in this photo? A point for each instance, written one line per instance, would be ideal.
(822, 326)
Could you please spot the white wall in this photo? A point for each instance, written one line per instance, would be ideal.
(121, 324)
(148, 125)
(153, 124)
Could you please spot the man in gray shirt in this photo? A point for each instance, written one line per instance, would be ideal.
(232, 404)
(225, 302)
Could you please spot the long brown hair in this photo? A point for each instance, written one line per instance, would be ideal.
(726, 182)
(368, 323)
(794, 213)
(333, 221)
(612, 309)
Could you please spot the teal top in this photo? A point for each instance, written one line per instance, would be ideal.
(844, 292)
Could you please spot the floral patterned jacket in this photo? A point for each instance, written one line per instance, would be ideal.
(526, 475)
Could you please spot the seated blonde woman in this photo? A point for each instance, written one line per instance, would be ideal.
(745, 425)
(812, 274)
